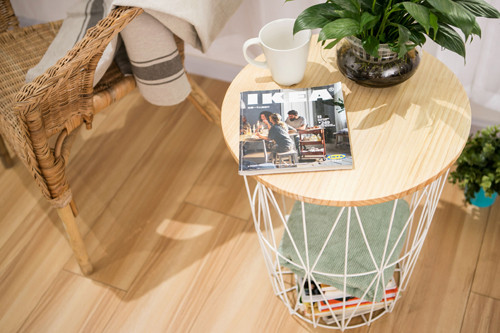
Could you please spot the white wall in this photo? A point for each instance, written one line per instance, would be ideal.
(223, 60)
(38, 11)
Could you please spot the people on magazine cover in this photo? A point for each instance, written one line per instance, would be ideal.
(264, 122)
(244, 125)
(296, 121)
(279, 134)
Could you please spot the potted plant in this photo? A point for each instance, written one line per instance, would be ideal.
(478, 167)
(379, 37)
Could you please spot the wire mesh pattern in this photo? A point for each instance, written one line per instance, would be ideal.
(300, 284)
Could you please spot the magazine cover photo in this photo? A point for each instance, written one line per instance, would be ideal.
(293, 130)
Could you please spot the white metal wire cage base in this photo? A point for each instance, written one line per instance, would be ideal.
(270, 219)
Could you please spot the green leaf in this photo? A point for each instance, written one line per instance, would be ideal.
(479, 8)
(434, 23)
(339, 29)
(368, 21)
(316, 16)
(420, 13)
(476, 30)
(404, 37)
(366, 5)
(371, 44)
(457, 15)
(486, 181)
(332, 44)
(351, 6)
(416, 35)
(450, 39)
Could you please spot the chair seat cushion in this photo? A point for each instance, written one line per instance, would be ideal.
(362, 256)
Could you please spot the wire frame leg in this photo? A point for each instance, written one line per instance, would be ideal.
(271, 226)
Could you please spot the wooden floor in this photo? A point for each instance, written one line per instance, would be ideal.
(168, 227)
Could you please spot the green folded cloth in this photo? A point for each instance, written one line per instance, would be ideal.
(375, 220)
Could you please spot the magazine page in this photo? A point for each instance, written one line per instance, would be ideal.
(294, 130)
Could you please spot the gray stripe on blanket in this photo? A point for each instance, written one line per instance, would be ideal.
(161, 82)
(92, 17)
(158, 71)
(155, 59)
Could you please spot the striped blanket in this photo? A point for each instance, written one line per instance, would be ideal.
(148, 40)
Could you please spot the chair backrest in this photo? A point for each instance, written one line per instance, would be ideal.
(62, 96)
(8, 19)
(60, 100)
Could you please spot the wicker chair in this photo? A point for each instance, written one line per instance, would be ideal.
(8, 20)
(39, 120)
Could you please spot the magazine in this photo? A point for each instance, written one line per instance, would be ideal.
(332, 301)
(294, 130)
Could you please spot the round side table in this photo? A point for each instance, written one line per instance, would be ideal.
(404, 139)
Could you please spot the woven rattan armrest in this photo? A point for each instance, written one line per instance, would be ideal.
(59, 101)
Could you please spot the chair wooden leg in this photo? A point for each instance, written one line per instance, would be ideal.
(74, 209)
(203, 103)
(75, 239)
(7, 160)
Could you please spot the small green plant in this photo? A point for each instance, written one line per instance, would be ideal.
(479, 164)
(400, 24)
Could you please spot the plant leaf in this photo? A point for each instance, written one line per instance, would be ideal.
(368, 21)
(416, 34)
(332, 44)
(316, 16)
(476, 30)
(457, 15)
(351, 6)
(366, 5)
(420, 13)
(434, 23)
(371, 44)
(339, 28)
(450, 39)
(479, 8)
(404, 37)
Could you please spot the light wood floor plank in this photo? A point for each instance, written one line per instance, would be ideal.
(487, 278)
(220, 188)
(159, 200)
(74, 304)
(483, 315)
(173, 287)
(33, 267)
(105, 160)
(151, 193)
(19, 197)
(243, 299)
(437, 294)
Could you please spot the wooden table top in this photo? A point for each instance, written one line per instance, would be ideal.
(402, 137)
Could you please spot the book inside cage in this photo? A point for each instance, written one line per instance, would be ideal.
(325, 301)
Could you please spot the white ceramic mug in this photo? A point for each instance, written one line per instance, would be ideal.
(286, 53)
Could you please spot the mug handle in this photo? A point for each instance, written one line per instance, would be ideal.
(246, 45)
